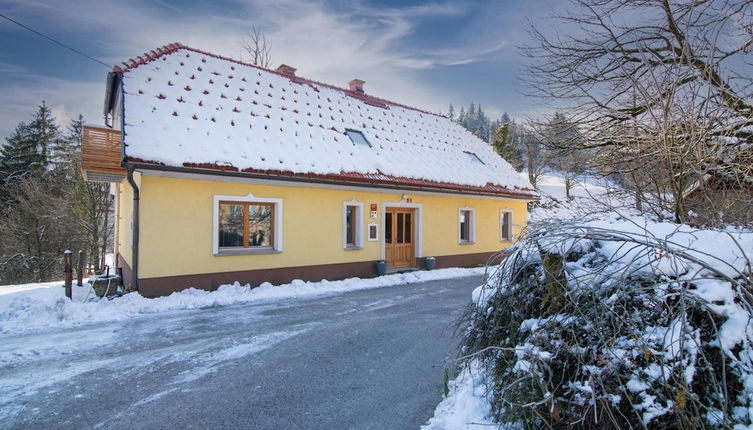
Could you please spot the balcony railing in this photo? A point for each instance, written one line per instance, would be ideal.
(101, 155)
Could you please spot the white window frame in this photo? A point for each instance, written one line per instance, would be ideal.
(358, 225)
(250, 198)
(471, 227)
(502, 237)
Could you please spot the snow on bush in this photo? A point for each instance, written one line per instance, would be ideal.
(32, 307)
(619, 323)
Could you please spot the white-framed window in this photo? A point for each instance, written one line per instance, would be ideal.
(505, 225)
(352, 225)
(246, 225)
(466, 226)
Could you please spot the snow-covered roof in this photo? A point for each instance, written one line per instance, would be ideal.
(186, 107)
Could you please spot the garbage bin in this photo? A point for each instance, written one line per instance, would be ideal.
(381, 267)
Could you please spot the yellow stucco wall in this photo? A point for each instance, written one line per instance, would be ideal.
(177, 225)
(124, 215)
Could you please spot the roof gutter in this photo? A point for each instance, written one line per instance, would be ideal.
(114, 87)
(270, 176)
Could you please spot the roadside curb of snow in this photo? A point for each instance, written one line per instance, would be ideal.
(468, 406)
(47, 307)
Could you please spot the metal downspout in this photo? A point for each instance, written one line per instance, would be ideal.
(135, 229)
(136, 197)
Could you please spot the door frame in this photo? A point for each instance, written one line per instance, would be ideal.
(417, 207)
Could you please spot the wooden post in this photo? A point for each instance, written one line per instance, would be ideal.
(80, 269)
(68, 259)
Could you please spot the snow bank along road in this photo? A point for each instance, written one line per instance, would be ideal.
(369, 359)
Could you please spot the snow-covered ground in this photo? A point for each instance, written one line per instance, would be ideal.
(589, 196)
(328, 360)
(467, 407)
(30, 307)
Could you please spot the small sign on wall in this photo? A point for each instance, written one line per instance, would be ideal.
(373, 214)
(373, 230)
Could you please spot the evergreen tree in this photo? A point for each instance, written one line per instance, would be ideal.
(504, 144)
(564, 142)
(470, 118)
(66, 150)
(451, 113)
(45, 134)
(477, 122)
(27, 151)
(17, 155)
(482, 125)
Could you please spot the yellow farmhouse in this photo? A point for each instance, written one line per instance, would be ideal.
(225, 172)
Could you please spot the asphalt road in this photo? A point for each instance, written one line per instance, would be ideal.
(370, 359)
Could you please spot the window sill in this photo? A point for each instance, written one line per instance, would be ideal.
(506, 240)
(466, 242)
(246, 251)
(353, 248)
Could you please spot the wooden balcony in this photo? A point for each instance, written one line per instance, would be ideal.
(101, 155)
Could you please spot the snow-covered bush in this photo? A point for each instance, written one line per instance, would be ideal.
(619, 323)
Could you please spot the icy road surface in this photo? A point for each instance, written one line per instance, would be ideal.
(370, 359)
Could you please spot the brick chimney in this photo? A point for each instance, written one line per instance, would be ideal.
(356, 85)
(286, 70)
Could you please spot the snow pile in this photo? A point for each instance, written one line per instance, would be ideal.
(468, 405)
(619, 323)
(34, 306)
(191, 107)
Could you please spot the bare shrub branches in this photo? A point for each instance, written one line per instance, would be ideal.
(642, 336)
(612, 44)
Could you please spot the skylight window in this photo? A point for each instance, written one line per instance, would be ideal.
(474, 157)
(357, 137)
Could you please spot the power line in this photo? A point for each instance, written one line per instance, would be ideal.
(55, 41)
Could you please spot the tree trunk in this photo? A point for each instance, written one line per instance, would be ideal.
(532, 177)
(556, 281)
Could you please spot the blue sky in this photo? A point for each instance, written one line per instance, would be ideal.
(424, 54)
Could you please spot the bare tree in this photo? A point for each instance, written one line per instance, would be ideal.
(257, 47)
(35, 230)
(535, 155)
(564, 147)
(655, 85)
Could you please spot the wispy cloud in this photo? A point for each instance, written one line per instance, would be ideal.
(66, 99)
(331, 43)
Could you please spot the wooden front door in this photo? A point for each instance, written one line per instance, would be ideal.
(400, 237)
